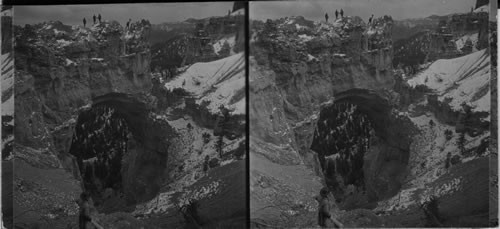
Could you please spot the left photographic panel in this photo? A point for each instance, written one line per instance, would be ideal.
(130, 116)
(7, 118)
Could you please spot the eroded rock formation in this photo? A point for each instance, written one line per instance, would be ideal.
(63, 73)
(299, 68)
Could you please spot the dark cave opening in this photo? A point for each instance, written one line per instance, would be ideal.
(99, 143)
(122, 151)
(362, 147)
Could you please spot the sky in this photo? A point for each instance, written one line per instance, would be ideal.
(398, 9)
(156, 13)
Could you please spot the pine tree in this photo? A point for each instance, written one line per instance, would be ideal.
(464, 120)
(222, 129)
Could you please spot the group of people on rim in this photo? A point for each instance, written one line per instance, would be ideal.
(336, 14)
(342, 15)
(99, 18)
(94, 17)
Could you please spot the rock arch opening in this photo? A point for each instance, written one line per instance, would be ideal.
(99, 143)
(363, 148)
(121, 150)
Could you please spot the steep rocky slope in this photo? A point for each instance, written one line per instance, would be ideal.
(206, 106)
(7, 84)
(7, 116)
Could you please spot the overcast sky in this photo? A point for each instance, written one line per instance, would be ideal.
(398, 9)
(154, 12)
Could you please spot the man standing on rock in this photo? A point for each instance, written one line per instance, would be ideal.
(370, 20)
(325, 219)
(99, 18)
(85, 220)
(94, 18)
(84, 215)
(336, 14)
(84, 22)
(326, 17)
(341, 13)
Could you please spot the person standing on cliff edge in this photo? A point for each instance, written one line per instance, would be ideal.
(326, 17)
(99, 18)
(336, 14)
(341, 13)
(94, 18)
(84, 22)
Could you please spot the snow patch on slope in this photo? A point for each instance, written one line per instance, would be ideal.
(7, 82)
(464, 79)
(460, 42)
(485, 8)
(220, 82)
(231, 41)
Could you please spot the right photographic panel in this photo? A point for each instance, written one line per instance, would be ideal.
(372, 113)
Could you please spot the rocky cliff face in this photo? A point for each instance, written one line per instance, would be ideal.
(61, 68)
(442, 37)
(196, 40)
(309, 64)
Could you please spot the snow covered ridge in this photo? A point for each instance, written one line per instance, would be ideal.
(220, 82)
(7, 107)
(7, 82)
(464, 79)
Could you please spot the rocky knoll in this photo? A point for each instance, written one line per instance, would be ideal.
(311, 62)
(60, 68)
(298, 67)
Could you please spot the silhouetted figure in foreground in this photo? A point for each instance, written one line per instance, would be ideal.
(128, 23)
(370, 20)
(85, 220)
(336, 14)
(84, 22)
(94, 18)
(326, 17)
(99, 18)
(341, 13)
(325, 219)
(84, 216)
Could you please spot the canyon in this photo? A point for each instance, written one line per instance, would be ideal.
(329, 107)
